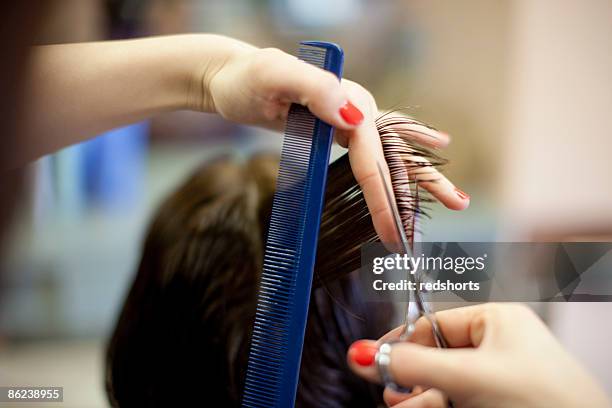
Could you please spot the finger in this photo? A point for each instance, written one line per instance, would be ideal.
(289, 79)
(412, 129)
(412, 364)
(365, 153)
(360, 358)
(393, 398)
(431, 398)
(461, 327)
(438, 185)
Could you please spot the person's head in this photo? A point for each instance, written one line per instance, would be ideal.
(183, 336)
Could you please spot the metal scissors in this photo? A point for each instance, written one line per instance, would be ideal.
(417, 305)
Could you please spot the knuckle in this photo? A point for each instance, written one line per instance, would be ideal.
(369, 98)
(271, 53)
(502, 313)
(264, 58)
(330, 80)
(324, 85)
(363, 95)
(490, 315)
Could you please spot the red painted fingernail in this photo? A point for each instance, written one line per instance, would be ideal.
(462, 195)
(351, 114)
(363, 352)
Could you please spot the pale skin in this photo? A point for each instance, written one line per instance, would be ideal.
(75, 91)
(501, 355)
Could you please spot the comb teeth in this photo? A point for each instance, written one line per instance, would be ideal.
(284, 293)
(272, 319)
(313, 55)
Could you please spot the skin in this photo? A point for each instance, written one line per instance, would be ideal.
(501, 355)
(75, 91)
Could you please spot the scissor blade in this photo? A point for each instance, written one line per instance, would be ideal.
(399, 227)
(415, 298)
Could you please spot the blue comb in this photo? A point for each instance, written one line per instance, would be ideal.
(282, 306)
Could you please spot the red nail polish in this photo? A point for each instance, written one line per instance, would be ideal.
(461, 194)
(351, 114)
(363, 352)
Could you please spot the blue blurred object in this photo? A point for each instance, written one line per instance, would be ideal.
(114, 167)
(70, 197)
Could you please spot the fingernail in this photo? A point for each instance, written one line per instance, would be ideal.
(351, 114)
(363, 352)
(462, 195)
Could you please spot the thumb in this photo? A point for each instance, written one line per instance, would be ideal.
(444, 369)
(449, 370)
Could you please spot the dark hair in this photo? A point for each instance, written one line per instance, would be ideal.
(183, 335)
(21, 27)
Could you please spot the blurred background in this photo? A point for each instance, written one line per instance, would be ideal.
(524, 88)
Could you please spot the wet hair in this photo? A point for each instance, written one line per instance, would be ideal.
(182, 337)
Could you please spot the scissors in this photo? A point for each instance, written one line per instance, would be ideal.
(417, 305)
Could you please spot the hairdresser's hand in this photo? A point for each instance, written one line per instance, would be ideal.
(257, 86)
(503, 356)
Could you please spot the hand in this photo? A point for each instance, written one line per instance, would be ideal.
(502, 356)
(257, 86)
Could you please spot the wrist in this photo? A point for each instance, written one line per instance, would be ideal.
(179, 68)
(209, 54)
